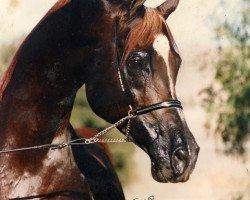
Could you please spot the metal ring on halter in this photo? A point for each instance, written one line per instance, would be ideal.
(91, 141)
(131, 112)
(61, 146)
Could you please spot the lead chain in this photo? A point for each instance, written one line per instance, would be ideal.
(96, 138)
(128, 131)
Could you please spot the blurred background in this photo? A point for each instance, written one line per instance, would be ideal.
(213, 83)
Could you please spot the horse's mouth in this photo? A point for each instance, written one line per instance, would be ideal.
(163, 173)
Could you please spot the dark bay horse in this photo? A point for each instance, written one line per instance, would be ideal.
(126, 56)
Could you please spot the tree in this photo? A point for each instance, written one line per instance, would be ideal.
(228, 99)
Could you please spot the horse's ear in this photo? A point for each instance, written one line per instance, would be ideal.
(129, 4)
(134, 5)
(168, 7)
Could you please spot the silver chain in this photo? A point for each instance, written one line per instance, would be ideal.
(97, 138)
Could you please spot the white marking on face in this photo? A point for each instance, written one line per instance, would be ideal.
(161, 46)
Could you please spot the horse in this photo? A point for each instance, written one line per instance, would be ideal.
(126, 56)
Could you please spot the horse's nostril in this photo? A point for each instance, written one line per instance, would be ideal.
(197, 149)
(179, 161)
(180, 154)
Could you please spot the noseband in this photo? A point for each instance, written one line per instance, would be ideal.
(153, 107)
(172, 103)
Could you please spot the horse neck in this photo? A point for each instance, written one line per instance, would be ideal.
(39, 87)
(50, 66)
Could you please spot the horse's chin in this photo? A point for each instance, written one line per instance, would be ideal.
(164, 174)
(161, 173)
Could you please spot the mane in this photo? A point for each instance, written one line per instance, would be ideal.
(143, 34)
(7, 76)
(8, 73)
(59, 4)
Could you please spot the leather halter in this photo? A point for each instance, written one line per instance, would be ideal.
(157, 106)
(172, 103)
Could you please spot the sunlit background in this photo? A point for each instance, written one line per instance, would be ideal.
(216, 176)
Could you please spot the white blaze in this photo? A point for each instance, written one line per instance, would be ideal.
(161, 46)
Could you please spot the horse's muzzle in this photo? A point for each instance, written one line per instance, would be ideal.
(175, 166)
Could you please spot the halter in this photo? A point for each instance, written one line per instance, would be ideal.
(157, 106)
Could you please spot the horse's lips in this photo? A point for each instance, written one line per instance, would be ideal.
(163, 173)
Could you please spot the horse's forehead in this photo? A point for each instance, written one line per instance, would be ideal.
(161, 46)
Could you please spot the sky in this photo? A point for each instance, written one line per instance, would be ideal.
(189, 23)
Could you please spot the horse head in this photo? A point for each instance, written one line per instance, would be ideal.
(140, 71)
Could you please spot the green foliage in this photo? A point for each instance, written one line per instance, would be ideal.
(83, 116)
(228, 98)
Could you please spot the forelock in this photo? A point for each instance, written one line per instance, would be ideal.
(143, 34)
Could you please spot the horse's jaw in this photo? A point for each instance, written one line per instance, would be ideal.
(170, 146)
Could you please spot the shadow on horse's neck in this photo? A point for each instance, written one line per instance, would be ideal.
(48, 69)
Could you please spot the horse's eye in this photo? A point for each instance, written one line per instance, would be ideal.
(137, 62)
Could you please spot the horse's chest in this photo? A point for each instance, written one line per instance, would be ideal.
(26, 185)
(58, 173)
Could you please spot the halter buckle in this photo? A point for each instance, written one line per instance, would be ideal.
(91, 141)
(131, 112)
